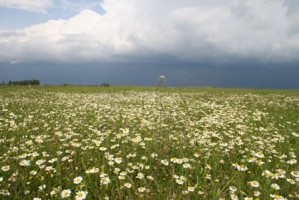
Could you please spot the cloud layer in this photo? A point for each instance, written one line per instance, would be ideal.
(192, 30)
(34, 6)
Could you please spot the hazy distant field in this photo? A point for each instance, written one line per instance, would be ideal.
(148, 143)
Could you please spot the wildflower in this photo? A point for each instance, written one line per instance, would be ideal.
(277, 197)
(295, 174)
(105, 181)
(50, 168)
(200, 192)
(260, 162)
(125, 131)
(123, 173)
(39, 162)
(80, 195)
(292, 161)
(185, 192)
(5, 192)
(66, 193)
(140, 175)
(196, 155)
(295, 134)
(1, 179)
(252, 159)
(137, 139)
(186, 165)
(5, 168)
(267, 173)
(33, 172)
(233, 196)
(291, 181)
(141, 189)
(103, 148)
(92, 170)
(179, 181)
(275, 186)
(259, 155)
(208, 176)
(42, 187)
(232, 189)
(208, 166)
(191, 189)
(176, 160)
(111, 163)
(78, 180)
(256, 193)
(128, 185)
(25, 162)
(118, 160)
(37, 198)
(116, 170)
(254, 184)
(165, 162)
(153, 155)
(240, 167)
(121, 177)
(144, 158)
(183, 178)
(53, 192)
(52, 160)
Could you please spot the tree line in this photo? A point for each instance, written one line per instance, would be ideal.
(22, 82)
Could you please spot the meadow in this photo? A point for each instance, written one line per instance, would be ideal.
(69, 142)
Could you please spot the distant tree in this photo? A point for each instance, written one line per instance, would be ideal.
(105, 84)
(24, 82)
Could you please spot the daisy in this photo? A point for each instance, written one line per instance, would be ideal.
(78, 180)
(66, 193)
(128, 185)
(140, 175)
(5, 168)
(191, 189)
(165, 162)
(254, 184)
(275, 186)
(141, 189)
(118, 160)
(295, 174)
(25, 162)
(80, 195)
(105, 181)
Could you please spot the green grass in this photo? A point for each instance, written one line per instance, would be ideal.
(166, 143)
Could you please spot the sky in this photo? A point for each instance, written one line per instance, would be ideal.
(221, 43)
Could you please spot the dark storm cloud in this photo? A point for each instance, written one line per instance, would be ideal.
(250, 75)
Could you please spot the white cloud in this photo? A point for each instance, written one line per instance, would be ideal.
(78, 5)
(184, 29)
(34, 6)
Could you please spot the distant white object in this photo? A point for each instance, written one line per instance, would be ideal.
(162, 80)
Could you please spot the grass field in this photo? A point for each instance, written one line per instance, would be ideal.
(70, 142)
